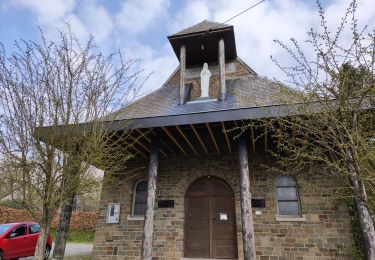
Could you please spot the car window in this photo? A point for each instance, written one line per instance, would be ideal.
(34, 228)
(19, 231)
(4, 228)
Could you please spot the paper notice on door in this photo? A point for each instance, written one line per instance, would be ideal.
(223, 216)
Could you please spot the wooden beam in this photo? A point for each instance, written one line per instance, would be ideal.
(226, 137)
(174, 140)
(163, 143)
(148, 228)
(252, 137)
(245, 197)
(221, 53)
(132, 146)
(182, 73)
(212, 137)
(149, 140)
(144, 135)
(199, 139)
(140, 143)
(186, 139)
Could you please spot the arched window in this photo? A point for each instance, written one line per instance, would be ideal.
(287, 196)
(140, 198)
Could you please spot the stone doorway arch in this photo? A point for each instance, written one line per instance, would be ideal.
(210, 220)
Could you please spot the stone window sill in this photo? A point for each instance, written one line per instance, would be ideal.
(136, 217)
(286, 218)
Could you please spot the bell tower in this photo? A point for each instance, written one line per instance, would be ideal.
(204, 43)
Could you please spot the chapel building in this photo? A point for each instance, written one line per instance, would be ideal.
(201, 189)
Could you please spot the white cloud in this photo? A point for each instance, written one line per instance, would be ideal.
(256, 29)
(157, 62)
(136, 15)
(47, 11)
(98, 21)
(194, 12)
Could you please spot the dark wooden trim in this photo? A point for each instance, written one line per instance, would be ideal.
(245, 195)
(148, 229)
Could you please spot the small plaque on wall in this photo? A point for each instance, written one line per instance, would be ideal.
(258, 203)
(113, 213)
(166, 204)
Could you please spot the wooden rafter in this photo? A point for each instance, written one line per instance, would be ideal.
(212, 137)
(163, 143)
(226, 137)
(252, 137)
(143, 135)
(141, 144)
(174, 140)
(137, 150)
(186, 139)
(149, 140)
(199, 138)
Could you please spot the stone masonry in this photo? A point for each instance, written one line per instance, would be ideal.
(325, 231)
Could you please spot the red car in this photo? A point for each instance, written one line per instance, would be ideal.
(19, 240)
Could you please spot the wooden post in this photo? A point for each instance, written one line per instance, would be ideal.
(223, 90)
(182, 74)
(246, 211)
(150, 209)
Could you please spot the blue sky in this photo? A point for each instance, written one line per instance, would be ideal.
(139, 27)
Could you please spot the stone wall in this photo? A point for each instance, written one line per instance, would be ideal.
(326, 229)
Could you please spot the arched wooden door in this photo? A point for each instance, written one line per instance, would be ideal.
(210, 220)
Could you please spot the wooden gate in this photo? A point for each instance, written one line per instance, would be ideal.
(210, 220)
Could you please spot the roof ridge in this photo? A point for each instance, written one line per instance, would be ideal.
(202, 26)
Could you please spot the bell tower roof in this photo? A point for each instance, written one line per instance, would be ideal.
(201, 42)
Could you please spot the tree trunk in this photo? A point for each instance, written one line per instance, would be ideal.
(148, 230)
(248, 237)
(365, 221)
(42, 242)
(63, 228)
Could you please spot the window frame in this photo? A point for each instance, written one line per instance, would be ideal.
(134, 195)
(287, 216)
(29, 229)
(17, 227)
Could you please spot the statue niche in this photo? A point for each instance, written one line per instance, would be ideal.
(205, 81)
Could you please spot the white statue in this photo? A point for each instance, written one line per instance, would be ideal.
(205, 81)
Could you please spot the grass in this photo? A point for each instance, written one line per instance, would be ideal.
(77, 236)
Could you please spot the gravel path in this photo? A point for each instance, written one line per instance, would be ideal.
(73, 249)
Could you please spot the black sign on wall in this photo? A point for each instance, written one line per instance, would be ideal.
(258, 203)
(166, 204)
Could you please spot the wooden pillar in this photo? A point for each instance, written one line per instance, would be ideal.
(150, 209)
(223, 90)
(246, 211)
(182, 74)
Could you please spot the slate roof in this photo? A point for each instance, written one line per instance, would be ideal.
(201, 27)
(244, 92)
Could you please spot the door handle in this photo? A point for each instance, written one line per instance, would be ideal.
(26, 238)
